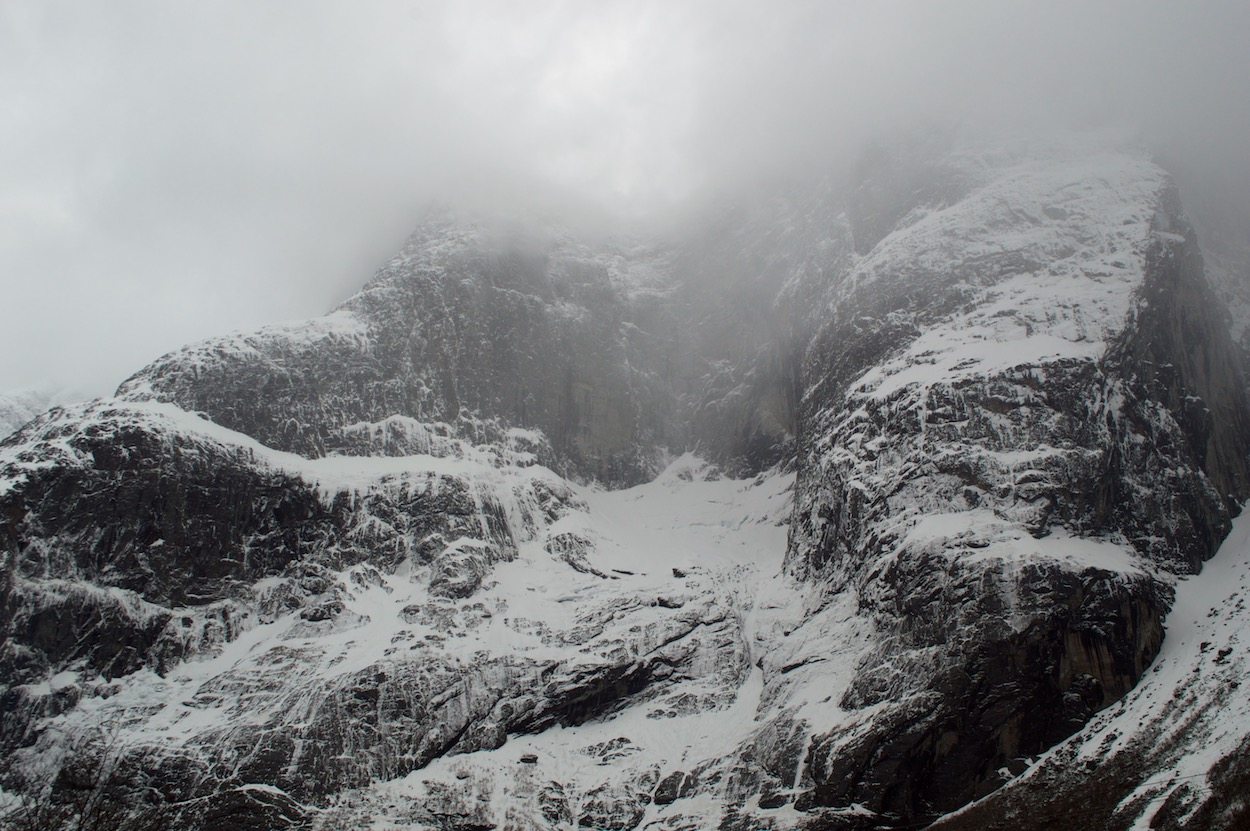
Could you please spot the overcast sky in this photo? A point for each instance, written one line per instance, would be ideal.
(173, 170)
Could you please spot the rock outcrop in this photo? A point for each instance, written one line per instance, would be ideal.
(1172, 753)
(471, 325)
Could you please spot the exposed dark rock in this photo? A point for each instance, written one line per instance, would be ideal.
(676, 785)
(250, 809)
(472, 320)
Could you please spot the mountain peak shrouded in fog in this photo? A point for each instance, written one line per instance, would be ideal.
(854, 497)
(173, 171)
(624, 415)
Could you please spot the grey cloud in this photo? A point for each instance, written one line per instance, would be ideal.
(175, 169)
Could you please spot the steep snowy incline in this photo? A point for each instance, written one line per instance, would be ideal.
(1173, 753)
(1048, 260)
(669, 756)
(1040, 263)
(551, 608)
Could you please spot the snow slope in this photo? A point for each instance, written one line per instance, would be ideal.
(669, 577)
(725, 538)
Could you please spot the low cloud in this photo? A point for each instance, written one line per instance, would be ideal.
(174, 169)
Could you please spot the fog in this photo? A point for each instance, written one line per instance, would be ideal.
(173, 170)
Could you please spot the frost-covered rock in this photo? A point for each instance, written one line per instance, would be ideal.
(336, 676)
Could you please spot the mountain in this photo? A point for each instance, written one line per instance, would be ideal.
(845, 508)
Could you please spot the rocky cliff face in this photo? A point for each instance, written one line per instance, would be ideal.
(1003, 472)
(1172, 753)
(357, 569)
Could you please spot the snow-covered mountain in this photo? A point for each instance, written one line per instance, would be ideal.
(901, 480)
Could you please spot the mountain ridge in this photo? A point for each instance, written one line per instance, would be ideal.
(360, 565)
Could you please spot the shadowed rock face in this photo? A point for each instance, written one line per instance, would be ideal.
(130, 493)
(467, 323)
(294, 564)
(1152, 758)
